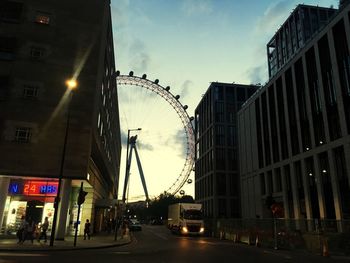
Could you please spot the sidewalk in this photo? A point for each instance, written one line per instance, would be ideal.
(98, 241)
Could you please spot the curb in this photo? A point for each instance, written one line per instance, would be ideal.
(53, 249)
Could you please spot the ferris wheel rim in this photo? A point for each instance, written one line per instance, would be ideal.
(186, 120)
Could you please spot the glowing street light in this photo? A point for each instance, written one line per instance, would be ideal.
(71, 85)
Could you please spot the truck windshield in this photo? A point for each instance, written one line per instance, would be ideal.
(193, 214)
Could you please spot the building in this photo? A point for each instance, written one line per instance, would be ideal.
(302, 24)
(42, 44)
(294, 142)
(216, 170)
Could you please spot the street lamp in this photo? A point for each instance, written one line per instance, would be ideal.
(71, 85)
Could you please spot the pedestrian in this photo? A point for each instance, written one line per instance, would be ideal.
(44, 227)
(87, 229)
(29, 231)
(21, 230)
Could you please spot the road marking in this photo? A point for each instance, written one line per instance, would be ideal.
(22, 255)
(277, 254)
(160, 236)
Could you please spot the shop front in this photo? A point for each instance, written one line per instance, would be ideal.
(32, 198)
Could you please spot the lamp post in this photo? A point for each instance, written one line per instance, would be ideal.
(71, 85)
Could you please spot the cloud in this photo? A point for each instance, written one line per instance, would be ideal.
(185, 88)
(197, 7)
(256, 74)
(273, 16)
(139, 144)
(139, 58)
(178, 142)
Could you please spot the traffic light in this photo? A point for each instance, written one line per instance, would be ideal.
(81, 197)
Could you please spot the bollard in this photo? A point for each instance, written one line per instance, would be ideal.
(325, 249)
(257, 243)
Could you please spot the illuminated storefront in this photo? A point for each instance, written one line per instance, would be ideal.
(30, 198)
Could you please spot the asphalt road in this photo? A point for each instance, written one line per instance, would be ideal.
(155, 244)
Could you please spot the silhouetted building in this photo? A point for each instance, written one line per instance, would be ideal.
(42, 44)
(294, 133)
(216, 165)
(302, 24)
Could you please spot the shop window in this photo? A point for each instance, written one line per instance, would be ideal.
(42, 18)
(23, 134)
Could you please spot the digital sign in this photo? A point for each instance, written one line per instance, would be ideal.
(34, 188)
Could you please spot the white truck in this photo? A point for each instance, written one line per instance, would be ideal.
(186, 218)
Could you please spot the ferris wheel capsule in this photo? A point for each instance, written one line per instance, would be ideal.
(189, 181)
(182, 192)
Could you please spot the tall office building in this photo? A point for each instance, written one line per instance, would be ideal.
(216, 171)
(42, 44)
(302, 24)
(294, 133)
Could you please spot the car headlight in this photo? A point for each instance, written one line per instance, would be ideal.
(201, 230)
(184, 229)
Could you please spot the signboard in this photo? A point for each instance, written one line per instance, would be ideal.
(33, 188)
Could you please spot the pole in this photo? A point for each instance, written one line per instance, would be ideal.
(57, 198)
(275, 232)
(77, 224)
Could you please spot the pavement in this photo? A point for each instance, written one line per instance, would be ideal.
(9, 243)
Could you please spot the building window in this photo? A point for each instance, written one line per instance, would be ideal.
(37, 52)
(7, 48)
(42, 18)
(30, 92)
(4, 86)
(10, 11)
(23, 134)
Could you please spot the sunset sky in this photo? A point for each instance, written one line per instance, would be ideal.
(186, 44)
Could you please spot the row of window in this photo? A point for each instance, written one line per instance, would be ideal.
(12, 12)
(8, 49)
(28, 91)
(307, 176)
(304, 89)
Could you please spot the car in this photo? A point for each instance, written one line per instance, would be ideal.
(134, 225)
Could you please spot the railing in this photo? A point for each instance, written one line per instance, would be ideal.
(312, 235)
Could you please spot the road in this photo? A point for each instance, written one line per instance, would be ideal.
(155, 244)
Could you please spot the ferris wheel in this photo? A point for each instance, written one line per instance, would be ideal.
(186, 120)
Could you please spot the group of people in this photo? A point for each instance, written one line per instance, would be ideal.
(28, 230)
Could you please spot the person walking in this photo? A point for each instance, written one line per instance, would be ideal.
(29, 230)
(21, 232)
(44, 227)
(87, 229)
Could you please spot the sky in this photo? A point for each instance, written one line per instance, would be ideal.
(186, 44)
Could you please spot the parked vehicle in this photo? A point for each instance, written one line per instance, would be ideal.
(186, 218)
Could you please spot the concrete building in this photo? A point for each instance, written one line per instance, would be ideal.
(42, 44)
(302, 24)
(294, 142)
(216, 170)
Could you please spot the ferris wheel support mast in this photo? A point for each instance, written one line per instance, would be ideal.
(127, 174)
